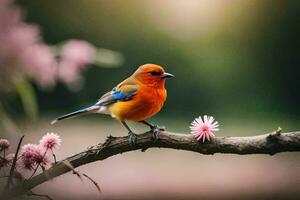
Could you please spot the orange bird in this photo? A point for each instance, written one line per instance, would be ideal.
(137, 98)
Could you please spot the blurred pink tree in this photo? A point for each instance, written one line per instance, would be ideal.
(25, 58)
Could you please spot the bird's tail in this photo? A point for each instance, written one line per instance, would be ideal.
(77, 113)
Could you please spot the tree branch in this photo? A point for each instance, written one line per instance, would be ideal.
(271, 144)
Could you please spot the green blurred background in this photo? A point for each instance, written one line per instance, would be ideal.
(235, 60)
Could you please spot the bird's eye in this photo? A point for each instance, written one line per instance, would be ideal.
(154, 73)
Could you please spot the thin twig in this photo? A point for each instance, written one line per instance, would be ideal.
(77, 174)
(54, 157)
(93, 181)
(12, 169)
(39, 195)
(71, 167)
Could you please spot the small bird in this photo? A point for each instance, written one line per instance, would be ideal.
(137, 98)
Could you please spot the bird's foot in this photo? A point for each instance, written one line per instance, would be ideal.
(155, 131)
(132, 138)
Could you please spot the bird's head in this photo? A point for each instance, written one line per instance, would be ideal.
(151, 74)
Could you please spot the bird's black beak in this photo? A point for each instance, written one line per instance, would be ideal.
(166, 75)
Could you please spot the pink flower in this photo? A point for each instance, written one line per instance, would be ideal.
(24, 54)
(41, 158)
(203, 127)
(28, 152)
(4, 144)
(50, 141)
(42, 66)
(22, 50)
(32, 154)
(79, 52)
(68, 72)
(75, 56)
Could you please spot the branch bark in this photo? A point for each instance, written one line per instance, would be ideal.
(270, 143)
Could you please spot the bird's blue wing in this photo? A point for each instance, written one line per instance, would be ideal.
(123, 92)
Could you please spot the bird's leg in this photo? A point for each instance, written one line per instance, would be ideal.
(154, 129)
(132, 135)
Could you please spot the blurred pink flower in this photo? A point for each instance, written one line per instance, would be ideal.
(79, 52)
(43, 67)
(75, 56)
(24, 54)
(22, 51)
(4, 144)
(32, 154)
(203, 128)
(50, 141)
(68, 72)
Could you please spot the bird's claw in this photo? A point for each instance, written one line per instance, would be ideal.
(132, 138)
(155, 131)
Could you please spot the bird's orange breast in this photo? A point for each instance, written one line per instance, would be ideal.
(146, 103)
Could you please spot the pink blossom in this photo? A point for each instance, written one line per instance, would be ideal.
(41, 158)
(32, 154)
(79, 52)
(50, 141)
(4, 144)
(75, 56)
(68, 72)
(22, 51)
(43, 67)
(23, 54)
(28, 153)
(203, 127)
